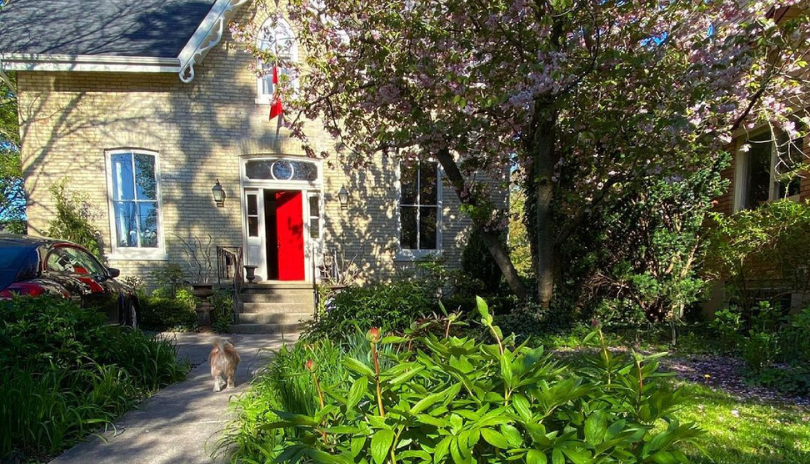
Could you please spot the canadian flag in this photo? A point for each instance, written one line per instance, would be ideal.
(275, 108)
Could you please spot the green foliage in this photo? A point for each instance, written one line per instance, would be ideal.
(392, 306)
(72, 220)
(518, 239)
(478, 265)
(161, 311)
(763, 338)
(169, 278)
(12, 196)
(15, 226)
(761, 253)
(66, 373)
(223, 311)
(635, 258)
(461, 400)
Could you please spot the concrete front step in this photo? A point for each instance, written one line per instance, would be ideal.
(283, 329)
(294, 297)
(270, 318)
(276, 308)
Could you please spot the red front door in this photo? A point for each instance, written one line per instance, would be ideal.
(290, 235)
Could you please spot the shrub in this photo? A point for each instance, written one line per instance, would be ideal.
(223, 311)
(160, 312)
(393, 306)
(66, 373)
(762, 253)
(460, 400)
(73, 219)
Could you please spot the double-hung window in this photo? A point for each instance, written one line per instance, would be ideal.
(134, 204)
(276, 37)
(765, 170)
(419, 208)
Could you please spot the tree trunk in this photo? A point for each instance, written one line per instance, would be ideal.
(540, 193)
(491, 239)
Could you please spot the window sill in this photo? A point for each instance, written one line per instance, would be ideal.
(263, 101)
(415, 255)
(138, 255)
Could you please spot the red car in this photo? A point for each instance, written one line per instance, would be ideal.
(43, 266)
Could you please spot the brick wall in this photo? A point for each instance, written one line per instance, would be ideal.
(199, 131)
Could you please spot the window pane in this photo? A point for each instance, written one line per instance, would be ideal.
(759, 171)
(427, 193)
(253, 226)
(304, 171)
(84, 262)
(149, 224)
(258, 169)
(408, 232)
(126, 223)
(122, 177)
(145, 177)
(252, 205)
(427, 228)
(407, 180)
(315, 227)
(314, 206)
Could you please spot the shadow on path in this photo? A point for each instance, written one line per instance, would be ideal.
(181, 423)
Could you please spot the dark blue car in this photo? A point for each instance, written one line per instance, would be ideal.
(37, 266)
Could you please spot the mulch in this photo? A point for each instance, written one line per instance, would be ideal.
(726, 374)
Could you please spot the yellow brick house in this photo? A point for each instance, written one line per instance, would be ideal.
(151, 108)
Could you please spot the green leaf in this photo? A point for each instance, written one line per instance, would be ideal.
(536, 457)
(359, 388)
(494, 438)
(512, 435)
(357, 445)
(441, 450)
(557, 457)
(404, 377)
(521, 405)
(427, 402)
(664, 457)
(358, 367)
(380, 444)
(595, 428)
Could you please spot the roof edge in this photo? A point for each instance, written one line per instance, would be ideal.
(207, 36)
(109, 63)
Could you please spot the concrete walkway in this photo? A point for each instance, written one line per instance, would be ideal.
(181, 423)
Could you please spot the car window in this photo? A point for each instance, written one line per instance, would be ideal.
(73, 260)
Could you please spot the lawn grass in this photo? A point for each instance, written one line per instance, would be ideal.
(747, 431)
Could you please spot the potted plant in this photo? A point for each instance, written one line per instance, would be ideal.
(199, 264)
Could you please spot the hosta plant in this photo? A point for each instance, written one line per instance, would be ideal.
(461, 400)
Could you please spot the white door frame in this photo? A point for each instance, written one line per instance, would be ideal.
(258, 186)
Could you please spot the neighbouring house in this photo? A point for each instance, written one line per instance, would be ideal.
(150, 108)
(760, 172)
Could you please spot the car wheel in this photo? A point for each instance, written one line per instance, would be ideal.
(132, 315)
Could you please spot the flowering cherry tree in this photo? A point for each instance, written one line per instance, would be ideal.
(582, 98)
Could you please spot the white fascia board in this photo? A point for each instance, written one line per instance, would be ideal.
(207, 36)
(108, 63)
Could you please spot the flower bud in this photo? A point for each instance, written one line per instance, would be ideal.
(595, 323)
(373, 335)
(310, 365)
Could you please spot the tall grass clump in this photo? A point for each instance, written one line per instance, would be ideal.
(66, 373)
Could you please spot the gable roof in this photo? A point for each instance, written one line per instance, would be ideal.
(111, 35)
(153, 28)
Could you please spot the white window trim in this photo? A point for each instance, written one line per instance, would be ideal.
(130, 253)
(261, 97)
(406, 254)
(741, 167)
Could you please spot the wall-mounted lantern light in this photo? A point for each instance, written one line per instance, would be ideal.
(219, 194)
(343, 197)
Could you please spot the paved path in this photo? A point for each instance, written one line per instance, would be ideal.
(182, 422)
